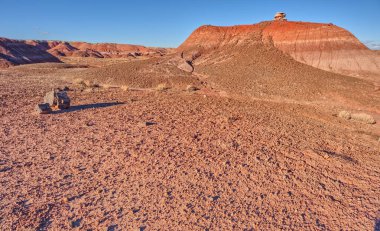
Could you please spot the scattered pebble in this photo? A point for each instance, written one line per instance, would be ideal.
(90, 123)
(147, 123)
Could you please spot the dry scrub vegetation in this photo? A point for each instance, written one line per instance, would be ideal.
(124, 88)
(162, 87)
(360, 117)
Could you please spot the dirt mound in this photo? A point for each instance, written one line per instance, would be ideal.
(324, 46)
(143, 73)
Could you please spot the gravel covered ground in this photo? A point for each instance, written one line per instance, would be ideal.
(175, 160)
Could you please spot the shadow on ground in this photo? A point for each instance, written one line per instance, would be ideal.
(377, 225)
(87, 106)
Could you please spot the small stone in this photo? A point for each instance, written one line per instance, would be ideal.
(43, 108)
(76, 223)
(112, 228)
(186, 66)
(29, 202)
(191, 88)
(215, 198)
(147, 123)
(90, 123)
(65, 200)
(135, 210)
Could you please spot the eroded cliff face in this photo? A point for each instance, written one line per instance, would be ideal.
(213, 37)
(15, 52)
(324, 46)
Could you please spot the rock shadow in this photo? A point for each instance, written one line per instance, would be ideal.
(377, 225)
(340, 156)
(87, 106)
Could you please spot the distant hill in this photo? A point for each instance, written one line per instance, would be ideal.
(15, 52)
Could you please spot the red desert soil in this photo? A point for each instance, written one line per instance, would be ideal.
(206, 162)
(258, 147)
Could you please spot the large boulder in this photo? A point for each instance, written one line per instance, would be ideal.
(185, 66)
(63, 100)
(50, 98)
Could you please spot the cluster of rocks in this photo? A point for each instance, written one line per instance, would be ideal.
(54, 99)
(280, 16)
(135, 54)
(185, 61)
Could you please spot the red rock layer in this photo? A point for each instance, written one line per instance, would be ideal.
(324, 46)
(111, 49)
(214, 37)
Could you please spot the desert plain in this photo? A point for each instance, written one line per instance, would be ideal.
(256, 127)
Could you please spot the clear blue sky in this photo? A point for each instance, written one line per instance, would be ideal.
(167, 23)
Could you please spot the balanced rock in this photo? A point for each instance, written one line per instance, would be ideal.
(280, 16)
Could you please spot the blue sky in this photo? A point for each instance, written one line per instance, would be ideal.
(167, 23)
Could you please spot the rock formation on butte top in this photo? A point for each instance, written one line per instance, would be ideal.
(324, 46)
(280, 16)
(15, 52)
